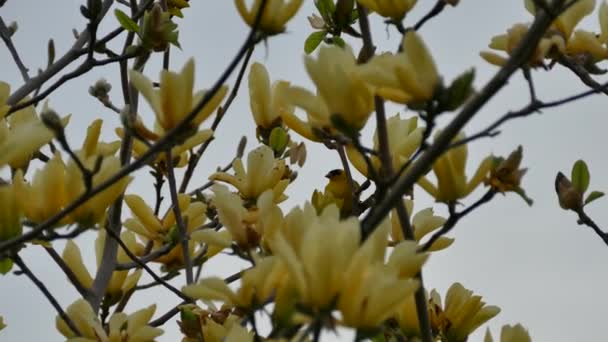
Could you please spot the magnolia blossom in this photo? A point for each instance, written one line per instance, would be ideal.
(461, 314)
(120, 327)
(567, 21)
(449, 169)
(22, 133)
(175, 99)
(394, 9)
(406, 77)
(264, 172)
(267, 102)
(275, 16)
(344, 100)
(510, 333)
(121, 282)
(404, 138)
(162, 231)
(423, 223)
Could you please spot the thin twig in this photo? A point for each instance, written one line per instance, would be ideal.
(146, 258)
(6, 37)
(455, 217)
(438, 8)
(533, 107)
(45, 291)
(84, 292)
(146, 268)
(587, 221)
(179, 219)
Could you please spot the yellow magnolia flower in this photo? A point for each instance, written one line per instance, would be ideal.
(174, 99)
(339, 84)
(264, 172)
(22, 134)
(423, 223)
(46, 195)
(10, 213)
(2, 324)
(560, 37)
(509, 41)
(404, 138)
(258, 284)
(120, 327)
(394, 9)
(94, 209)
(324, 264)
(461, 314)
(275, 16)
(344, 99)
(235, 217)
(212, 325)
(267, 102)
(449, 169)
(510, 333)
(590, 44)
(567, 21)
(373, 291)
(56, 184)
(121, 282)
(162, 231)
(5, 92)
(407, 77)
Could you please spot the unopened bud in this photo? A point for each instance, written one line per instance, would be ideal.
(12, 28)
(569, 197)
(100, 89)
(52, 121)
(316, 22)
(278, 140)
(240, 150)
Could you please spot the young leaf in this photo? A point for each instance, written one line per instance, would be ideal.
(580, 176)
(6, 265)
(458, 92)
(125, 21)
(339, 41)
(313, 41)
(326, 8)
(593, 196)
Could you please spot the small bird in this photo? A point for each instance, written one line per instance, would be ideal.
(339, 187)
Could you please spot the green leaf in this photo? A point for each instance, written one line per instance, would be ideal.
(313, 41)
(339, 42)
(458, 92)
(326, 8)
(6, 265)
(593, 196)
(580, 176)
(125, 21)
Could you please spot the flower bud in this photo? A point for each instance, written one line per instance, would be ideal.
(569, 197)
(52, 121)
(278, 140)
(100, 89)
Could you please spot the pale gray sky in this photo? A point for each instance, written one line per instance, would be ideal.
(537, 264)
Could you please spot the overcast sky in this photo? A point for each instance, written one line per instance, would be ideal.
(536, 264)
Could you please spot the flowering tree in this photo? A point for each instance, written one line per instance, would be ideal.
(353, 255)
